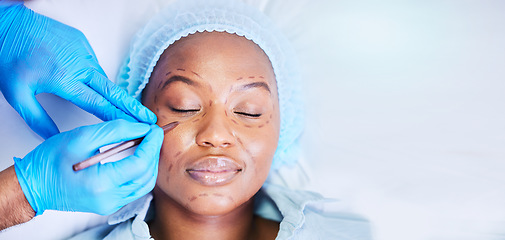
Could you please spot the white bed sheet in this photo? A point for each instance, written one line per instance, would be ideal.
(406, 123)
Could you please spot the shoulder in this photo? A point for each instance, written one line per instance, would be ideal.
(309, 215)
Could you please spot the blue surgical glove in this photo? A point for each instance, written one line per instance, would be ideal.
(38, 54)
(49, 182)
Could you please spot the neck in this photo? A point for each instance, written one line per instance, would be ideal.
(173, 221)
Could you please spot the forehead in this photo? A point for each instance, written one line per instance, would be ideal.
(216, 55)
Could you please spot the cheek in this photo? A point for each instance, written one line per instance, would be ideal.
(174, 145)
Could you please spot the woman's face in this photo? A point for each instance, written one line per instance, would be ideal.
(222, 90)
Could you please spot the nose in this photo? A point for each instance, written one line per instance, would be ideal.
(215, 131)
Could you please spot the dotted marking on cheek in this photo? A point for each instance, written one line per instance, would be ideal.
(262, 125)
(155, 98)
(210, 103)
(204, 115)
(196, 120)
(234, 121)
(268, 121)
(163, 116)
(157, 110)
(203, 195)
(178, 154)
(247, 126)
(240, 142)
(192, 198)
(270, 116)
(226, 113)
(170, 167)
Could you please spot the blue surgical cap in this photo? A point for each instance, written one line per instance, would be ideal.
(182, 18)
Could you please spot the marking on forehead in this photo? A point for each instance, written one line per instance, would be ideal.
(196, 74)
(181, 69)
(251, 77)
(168, 73)
(261, 77)
(240, 78)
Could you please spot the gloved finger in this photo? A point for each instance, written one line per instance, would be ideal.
(25, 103)
(135, 166)
(99, 135)
(139, 191)
(120, 98)
(86, 98)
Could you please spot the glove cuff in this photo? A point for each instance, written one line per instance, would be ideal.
(23, 182)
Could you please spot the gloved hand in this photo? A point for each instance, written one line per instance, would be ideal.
(38, 54)
(49, 182)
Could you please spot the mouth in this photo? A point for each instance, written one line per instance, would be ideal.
(214, 171)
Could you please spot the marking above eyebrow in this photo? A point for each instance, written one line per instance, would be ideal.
(240, 78)
(181, 69)
(198, 75)
(178, 78)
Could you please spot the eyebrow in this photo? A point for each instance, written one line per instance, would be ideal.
(178, 78)
(263, 85)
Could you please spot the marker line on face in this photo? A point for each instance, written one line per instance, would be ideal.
(198, 75)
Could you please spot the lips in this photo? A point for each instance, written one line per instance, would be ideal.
(214, 171)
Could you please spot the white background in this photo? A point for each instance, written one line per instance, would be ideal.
(405, 108)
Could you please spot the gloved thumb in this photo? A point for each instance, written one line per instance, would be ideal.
(25, 103)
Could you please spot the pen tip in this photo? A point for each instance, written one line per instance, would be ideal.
(170, 126)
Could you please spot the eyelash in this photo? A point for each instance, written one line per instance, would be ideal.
(184, 110)
(249, 114)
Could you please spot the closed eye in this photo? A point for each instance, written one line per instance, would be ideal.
(252, 115)
(184, 110)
